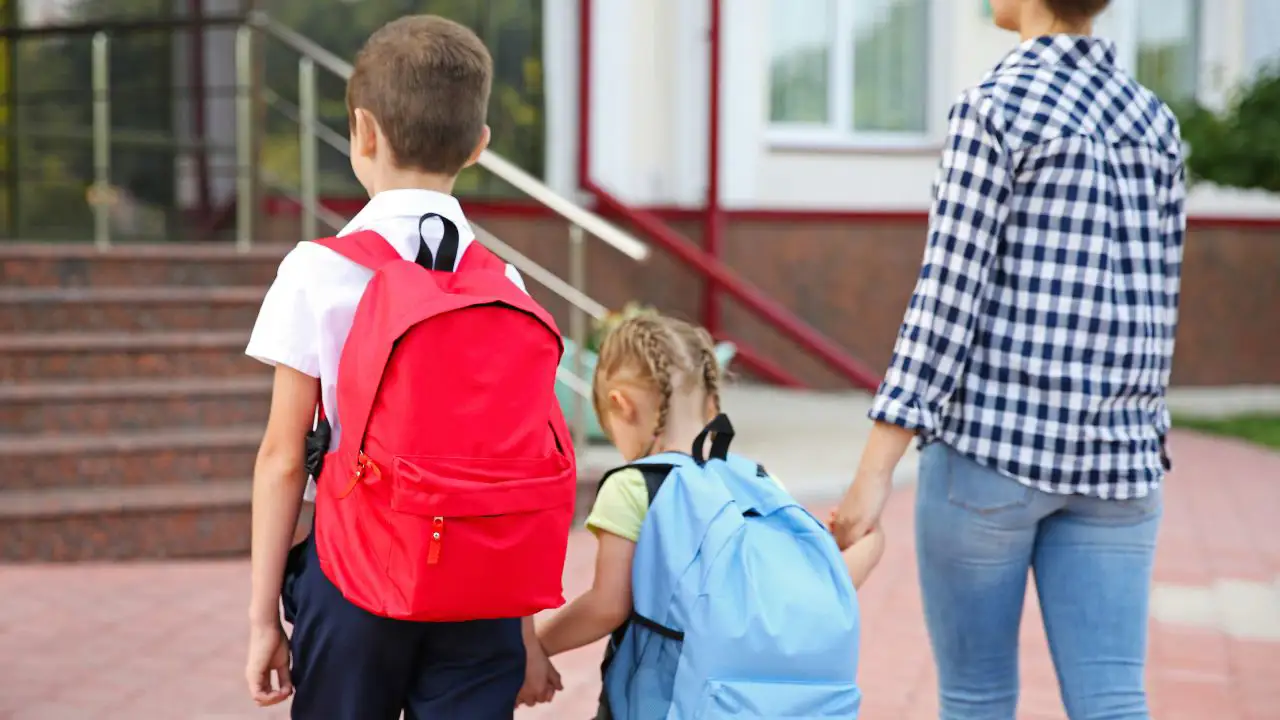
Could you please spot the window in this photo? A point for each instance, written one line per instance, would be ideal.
(1159, 42)
(849, 70)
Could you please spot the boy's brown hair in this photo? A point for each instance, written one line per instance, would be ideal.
(426, 80)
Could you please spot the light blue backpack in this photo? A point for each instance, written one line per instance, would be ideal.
(743, 607)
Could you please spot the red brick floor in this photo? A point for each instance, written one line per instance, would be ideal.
(164, 641)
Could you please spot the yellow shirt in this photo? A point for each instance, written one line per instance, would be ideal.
(622, 503)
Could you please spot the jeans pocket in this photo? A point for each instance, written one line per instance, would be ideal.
(980, 489)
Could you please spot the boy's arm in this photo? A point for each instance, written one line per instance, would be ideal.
(279, 479)
(602, 609)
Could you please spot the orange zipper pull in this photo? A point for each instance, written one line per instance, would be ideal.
(437, 535)
(363, 465)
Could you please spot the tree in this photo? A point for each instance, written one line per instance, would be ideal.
(512, 29)
(1240, 147)
(54, 107)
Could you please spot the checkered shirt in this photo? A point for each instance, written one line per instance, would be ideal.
(1039, 338)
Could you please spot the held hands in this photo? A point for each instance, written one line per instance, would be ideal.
(541, 680)
(268, 653)
(859, 512)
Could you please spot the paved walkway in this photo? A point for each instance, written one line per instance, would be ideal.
(164, 641)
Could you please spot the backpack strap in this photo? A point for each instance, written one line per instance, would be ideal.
(654, 475)
(447, 254)
(721, 432)
(479, 257)
(366, 248)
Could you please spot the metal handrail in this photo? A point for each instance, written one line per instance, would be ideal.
(508, 172)
(521, 262)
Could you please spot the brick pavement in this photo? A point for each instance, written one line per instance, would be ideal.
(164, 641)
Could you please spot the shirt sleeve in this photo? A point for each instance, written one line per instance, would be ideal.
(621, 505)
(514, 276)
(970, 209)
(1173, 219)
(286, 332)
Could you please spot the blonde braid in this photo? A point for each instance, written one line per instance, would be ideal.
(657, 349)
(710, 369)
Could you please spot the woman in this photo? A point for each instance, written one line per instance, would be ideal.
(1033, 363)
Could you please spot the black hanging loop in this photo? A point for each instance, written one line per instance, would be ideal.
(447, 255)
(721, 432)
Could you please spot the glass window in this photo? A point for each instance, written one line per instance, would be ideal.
(1159, 42)
(854, 68)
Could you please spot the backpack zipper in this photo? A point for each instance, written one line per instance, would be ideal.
(364, 464)
(437, 535)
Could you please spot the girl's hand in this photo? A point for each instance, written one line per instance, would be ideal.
(541, 680)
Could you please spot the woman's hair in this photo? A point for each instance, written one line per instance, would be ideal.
(1076, 10)
(663, 354)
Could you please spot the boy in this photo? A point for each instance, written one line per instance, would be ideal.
(416, 102)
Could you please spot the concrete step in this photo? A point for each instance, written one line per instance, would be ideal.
(65, 407)
(129, 459)
(166, 520)
(80, 356)
(167, 264)
(172, 520)
(53, 309)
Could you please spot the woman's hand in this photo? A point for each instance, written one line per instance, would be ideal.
(859, 512)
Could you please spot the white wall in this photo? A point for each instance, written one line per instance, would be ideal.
(650, 97)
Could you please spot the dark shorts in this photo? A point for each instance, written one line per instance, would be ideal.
(349, 664)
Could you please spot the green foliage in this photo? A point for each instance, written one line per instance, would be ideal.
(1259, 429)
(1240, 147)
(54, 110)
(512, 29)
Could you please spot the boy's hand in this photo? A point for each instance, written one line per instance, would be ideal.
(268, 653)
(541, 680)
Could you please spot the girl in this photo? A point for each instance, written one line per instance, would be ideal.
(657, 385)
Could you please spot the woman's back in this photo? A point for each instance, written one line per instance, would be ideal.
(1078, 170)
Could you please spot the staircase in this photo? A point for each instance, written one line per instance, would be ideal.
(129, 415)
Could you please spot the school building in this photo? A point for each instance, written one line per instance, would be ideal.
(773, 158)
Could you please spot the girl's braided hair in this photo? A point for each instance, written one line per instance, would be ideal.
(666, 355)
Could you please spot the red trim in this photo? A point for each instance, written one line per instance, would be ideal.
(762, 368)
(713, 220)
(584, 91)
(764, 307)
(278, 205)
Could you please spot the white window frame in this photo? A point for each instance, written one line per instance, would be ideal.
(838, 132)
(1124, 19)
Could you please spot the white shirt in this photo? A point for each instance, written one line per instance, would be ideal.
(307, 313)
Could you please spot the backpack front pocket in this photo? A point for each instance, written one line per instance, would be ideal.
(739, 699)
(479, 538)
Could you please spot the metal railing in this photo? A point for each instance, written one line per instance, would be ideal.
(251, 176)
(311, 132)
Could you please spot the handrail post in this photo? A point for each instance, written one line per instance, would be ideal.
(244, 138)
(578, 330)
(101, 195)
(307, 160)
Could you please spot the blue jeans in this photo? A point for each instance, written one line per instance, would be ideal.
(978, 533)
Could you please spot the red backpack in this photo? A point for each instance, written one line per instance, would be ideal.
(450, 495)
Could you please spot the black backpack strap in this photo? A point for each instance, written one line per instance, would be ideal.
(721, 432)
(654, 476)
(447, 256)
